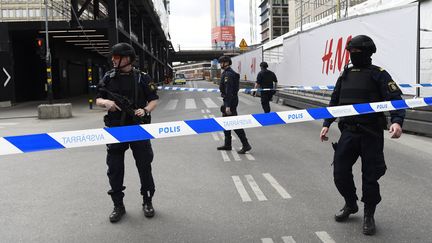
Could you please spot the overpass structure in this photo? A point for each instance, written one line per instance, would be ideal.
(201, 55)
(81, 33)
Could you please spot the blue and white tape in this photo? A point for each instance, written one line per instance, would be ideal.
(91, 137)
(319, 87)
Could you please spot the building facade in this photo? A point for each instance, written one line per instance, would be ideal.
(222, 24)
(34, 10)
(274, 19)
(80, 36)
(315, 10)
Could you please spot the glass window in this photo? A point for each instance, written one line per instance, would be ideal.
(277, 12)
(277, 32)
(277, 22)
(5, 13)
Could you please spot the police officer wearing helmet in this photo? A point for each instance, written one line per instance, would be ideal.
(266, 79)
(138, 87)
(362, 135)
(229, 87)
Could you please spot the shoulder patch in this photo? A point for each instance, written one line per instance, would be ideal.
(152, 87)
(226, 79)
(392, 86)
(381, 69)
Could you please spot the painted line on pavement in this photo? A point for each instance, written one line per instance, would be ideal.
(324, 237)
(255, 188)
(241, 189)
(284, 194)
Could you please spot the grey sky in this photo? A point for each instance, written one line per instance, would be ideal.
(190, 25)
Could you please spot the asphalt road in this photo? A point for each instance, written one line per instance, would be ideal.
(282, 191)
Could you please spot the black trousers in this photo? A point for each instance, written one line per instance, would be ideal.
(240, 132)
(266, 97)
(369, 146)
(143, 155)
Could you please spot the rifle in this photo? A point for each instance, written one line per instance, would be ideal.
(127, 106)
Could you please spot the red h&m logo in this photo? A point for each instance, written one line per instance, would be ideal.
(253, 65)
(341, 58)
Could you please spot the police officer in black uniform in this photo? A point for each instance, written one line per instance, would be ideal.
(229, 87)
(265, 80)
(138, 87)
(362, 135)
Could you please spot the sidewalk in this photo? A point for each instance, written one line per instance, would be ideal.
(29, 109)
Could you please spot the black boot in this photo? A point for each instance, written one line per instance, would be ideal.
(246, 147)
(226, 146)
(369, 221)
(117, 214)
(345, 212)
(148, 209)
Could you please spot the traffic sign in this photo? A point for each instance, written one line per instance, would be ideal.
(243, 46)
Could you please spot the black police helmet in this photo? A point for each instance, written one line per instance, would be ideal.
(362, 42)
(264, 65)
(225, 59)
(124, 50)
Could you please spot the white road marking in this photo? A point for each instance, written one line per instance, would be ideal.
(202, 111)
(255, 188)
(241, 189)
(225, 156)
(284, 194)
(288, 239)
(235, 155)
(190, 104)
(324, 237)
(249, 156)
(267, 240)
(208, 111)
(8, 124)
(209, 103)
(172, 104)
(246, 101)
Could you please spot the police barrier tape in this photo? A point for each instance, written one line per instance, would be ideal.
(320, 87)
(91, 137)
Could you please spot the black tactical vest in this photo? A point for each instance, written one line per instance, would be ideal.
(359, 86)
(130, 87)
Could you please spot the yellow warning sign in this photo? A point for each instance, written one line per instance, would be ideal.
(243, 46)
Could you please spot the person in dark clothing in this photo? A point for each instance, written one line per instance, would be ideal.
(266, 79)
(362, 135)
(229, 87)
(138, 87)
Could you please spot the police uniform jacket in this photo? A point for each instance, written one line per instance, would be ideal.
(366, 85)
(229, 87)
(266, 78)
(137, 86)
